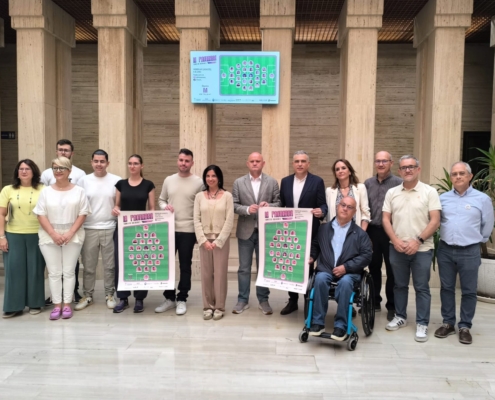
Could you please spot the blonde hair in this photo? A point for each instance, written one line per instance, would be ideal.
(62, 162)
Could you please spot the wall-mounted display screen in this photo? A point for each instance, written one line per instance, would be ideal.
(235, 77)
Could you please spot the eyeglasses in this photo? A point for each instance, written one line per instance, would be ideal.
(408, 167)
(346, 207)
(64, 150)
(378, 162)
(454, 174)
(24, 169)
(59, 169)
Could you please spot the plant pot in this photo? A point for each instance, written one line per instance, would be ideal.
(486, 281)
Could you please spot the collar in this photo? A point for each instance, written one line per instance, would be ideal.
(253, 179)
(334, 221)
(384, 179)
(300, 180)
(415, 188)
(468, 191)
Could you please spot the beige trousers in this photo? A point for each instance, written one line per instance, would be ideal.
(214, 266)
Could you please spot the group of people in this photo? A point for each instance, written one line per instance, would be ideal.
(52, 218)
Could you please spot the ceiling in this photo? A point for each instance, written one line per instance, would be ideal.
(316, 20)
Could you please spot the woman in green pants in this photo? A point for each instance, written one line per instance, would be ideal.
(24, 264)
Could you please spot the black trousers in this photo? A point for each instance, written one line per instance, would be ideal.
(124, 294)
(381, 243)
(184, 244)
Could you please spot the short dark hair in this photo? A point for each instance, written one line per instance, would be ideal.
(62, 142)
(218, 172)
(99, 152)
(16, 182)
(187, 152)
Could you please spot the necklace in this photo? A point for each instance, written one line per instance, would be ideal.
(213, 196)
(30, 201)
(212, 214)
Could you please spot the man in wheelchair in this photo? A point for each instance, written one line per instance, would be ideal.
(342, 250)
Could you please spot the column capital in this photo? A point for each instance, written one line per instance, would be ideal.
(360, 14)
(43, 14)
(198, 14)
(441, 14)
(120, 14)
(2, 33)
(492, 33)
(278, 14)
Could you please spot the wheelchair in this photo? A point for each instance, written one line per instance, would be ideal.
(363, 296)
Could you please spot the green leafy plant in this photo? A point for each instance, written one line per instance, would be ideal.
(444, 185)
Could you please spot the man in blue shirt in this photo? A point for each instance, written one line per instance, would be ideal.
(467, 220)
(343, 250)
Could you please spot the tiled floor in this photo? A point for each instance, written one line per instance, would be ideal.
(100, 355)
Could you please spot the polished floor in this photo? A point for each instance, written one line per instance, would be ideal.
(101, 355)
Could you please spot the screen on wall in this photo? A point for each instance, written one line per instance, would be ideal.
(235, 77)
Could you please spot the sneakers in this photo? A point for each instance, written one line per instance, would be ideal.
(396, 324)
(265, 308)
(165, 306)
(240, 307)
(290, 307)
(34, 311)
(123, 304)
(56, 313)
(83, 303)
(12, 314)
(421, 333)
(444, 331)
(339, 335)
(77, 297)
(138, 307)
(316, 330)
(181, 308)
(48, 302)
(66, 312)
(207, 314)
(111, 303)
(218, 314)
(464, 336)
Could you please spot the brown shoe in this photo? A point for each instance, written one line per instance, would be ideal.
(464, 336)
(444, 331)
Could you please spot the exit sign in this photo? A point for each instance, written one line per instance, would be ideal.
(8, 135)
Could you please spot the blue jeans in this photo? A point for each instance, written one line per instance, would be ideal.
(465, 261)
(246, 249)
(419, 265)
(343, 293)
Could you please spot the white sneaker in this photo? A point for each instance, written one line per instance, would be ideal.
(421, 333)
(83, 303)
(165, 306)
(396, 323)
(111, 303)
(181, 308)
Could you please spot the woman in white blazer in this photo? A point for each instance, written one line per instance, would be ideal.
(347, 184)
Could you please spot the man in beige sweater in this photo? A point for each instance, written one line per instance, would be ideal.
(177, 196)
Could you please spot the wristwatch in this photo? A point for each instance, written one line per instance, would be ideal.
(421, 240)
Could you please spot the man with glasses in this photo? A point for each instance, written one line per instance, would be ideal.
(65, 148)
(411, 215)
(343, 250)
(467, 221)
(377, 186)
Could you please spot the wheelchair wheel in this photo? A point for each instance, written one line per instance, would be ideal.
(311, 282)
(367, 299)
(352, 342)
(303, 336)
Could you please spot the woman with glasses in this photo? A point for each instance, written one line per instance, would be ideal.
(24, 264)
(347, 184)
(61, 209)
(133, 194)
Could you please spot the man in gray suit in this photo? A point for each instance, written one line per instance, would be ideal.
(251, 192)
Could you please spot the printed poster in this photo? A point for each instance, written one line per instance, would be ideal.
(285, 244)
(146, 250)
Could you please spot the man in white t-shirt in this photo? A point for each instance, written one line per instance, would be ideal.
(178, 194)
(65, 148)
(99, 228)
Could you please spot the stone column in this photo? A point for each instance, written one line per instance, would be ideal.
(45, 36)
(199, 27)
(2, 44)
(359, 23)
(492, 44)
(277, 24)
(439, 36)
(121, 37)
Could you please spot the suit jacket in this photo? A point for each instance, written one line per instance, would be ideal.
(362, 206)
(312, 196)
(243, 196)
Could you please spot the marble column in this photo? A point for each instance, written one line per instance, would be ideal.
(277, 24)
(199, 27)
(121, 37)
(359, 23)
(45, 36)
(492, 44)
(439, 37)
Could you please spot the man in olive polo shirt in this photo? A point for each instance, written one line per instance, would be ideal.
(411, 215)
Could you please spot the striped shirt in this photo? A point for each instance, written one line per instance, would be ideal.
(376, 195)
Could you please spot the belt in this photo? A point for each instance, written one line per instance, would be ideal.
(459, 247)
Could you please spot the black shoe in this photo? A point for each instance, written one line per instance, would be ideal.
(316, 330)
(139, 306)
(339, 335)
(11, 314)
(48, 302)
(390, 315)
(77, 296)
(123, 304)
(290, 307)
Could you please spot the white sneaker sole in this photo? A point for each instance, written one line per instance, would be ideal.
(265, 312)
(234, 311)
(76, 308)
(395, 327)
(159, 310)
(421, 339)
(180, 312)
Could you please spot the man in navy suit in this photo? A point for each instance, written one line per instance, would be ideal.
(303, 190)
